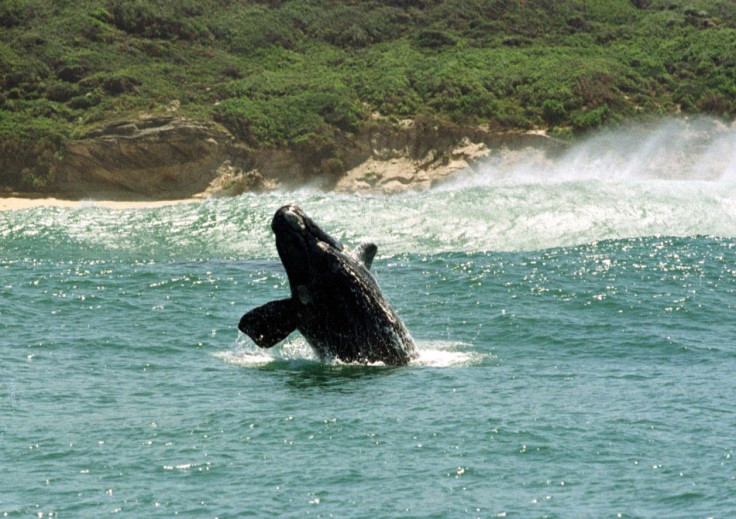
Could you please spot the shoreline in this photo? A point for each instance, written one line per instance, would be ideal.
(20, 202)
(174, 158)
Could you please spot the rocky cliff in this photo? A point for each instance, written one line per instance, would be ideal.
(160, 158)
(170, 158)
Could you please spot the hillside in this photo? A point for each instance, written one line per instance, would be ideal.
(304, 74)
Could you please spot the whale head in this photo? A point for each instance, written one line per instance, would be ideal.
(304, 248)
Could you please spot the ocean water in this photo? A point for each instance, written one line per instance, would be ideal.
(575, 318)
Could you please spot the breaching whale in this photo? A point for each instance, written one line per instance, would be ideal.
(335, 301)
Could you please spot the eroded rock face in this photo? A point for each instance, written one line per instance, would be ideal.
(233, 181)
(160, 158)
(416, 156)
(401, 173)
(163, 158)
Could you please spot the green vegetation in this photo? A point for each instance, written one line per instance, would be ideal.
(300, 72)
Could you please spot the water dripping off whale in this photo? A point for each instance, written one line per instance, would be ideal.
(335, 302)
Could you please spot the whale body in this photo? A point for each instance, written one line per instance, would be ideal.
(335, 303)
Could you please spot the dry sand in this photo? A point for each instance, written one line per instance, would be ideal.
(15, 203)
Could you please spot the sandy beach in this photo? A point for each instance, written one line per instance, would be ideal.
(15, 203)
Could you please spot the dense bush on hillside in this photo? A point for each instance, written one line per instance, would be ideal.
(280, 72)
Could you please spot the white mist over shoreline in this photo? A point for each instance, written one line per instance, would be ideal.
(699, 149)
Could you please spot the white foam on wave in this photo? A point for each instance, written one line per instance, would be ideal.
(246, 359)
(245, 353)
(296, 351)
(447, 354)
(697, 149)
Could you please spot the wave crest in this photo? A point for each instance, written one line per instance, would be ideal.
(296, 352)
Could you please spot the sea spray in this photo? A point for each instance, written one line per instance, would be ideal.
(295, 352)
(699, 149)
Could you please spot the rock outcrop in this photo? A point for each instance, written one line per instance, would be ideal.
(420, 154)
(157, 158)
(163, 158)
(233, 181)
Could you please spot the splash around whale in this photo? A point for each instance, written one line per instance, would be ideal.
(335, 303)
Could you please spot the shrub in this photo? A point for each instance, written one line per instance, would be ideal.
(141, 18)
(598, 89)
(553, 112)
(332, 166)
(592, 119)
(716, 104)
(16, 12)
(72, 72)
(84, 102)
(29, 153)
(60, 92)
(274, 122)
(283, 120)
(97, 30)
(430, 39)
(119, 84)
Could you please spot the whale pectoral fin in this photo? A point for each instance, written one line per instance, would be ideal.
(270, 323)
(365, 252)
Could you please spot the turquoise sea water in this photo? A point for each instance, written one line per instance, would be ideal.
(576, 331)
